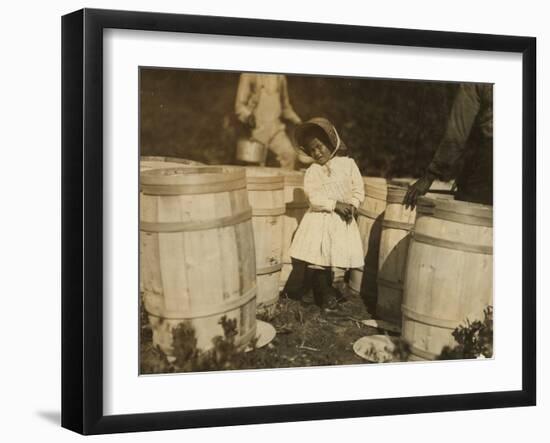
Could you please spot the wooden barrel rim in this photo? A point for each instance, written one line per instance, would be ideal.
(196, 225)
(424, 211)
(451, 244)
(192, 175)
(209, 311)
(165, 159)
(442, 208)
(194, 189)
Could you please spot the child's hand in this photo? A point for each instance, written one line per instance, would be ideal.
(344, 210)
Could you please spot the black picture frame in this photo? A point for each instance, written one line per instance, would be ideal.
(82, 220)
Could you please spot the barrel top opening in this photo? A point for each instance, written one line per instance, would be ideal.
(440, 205)
(192, 175)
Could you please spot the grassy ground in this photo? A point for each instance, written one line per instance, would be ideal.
(305, 337)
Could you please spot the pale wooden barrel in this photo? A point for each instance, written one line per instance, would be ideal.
(198, 253)
(296, 205)
(449, 273)
(369, 221)
(394, 245)
(267, 199)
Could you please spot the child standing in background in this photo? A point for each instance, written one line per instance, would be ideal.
(328, 235)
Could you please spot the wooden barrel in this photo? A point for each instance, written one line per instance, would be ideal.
(394, 245)
(449, 273)
(198, 251)
(267, 199)
(369, 221)
(296, 205)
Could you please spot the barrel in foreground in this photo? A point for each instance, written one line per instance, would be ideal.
(198, 253)
(449, 276)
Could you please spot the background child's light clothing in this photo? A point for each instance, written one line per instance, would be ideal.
(323, 237)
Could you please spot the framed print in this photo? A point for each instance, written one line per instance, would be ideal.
(273, 221)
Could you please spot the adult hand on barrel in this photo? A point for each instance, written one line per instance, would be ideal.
(417, 189)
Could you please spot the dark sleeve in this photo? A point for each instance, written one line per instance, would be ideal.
(463, 114)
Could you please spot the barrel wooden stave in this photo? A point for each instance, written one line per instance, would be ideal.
(369, 221)
(392, 259)
(266, 196)
(178, 281)
(449, 278)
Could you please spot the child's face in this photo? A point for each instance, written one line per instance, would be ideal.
(318, 150)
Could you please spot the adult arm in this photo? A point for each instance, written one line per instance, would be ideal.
(287, 110)
(243, 102)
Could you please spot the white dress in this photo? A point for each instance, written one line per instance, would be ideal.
(323, 238)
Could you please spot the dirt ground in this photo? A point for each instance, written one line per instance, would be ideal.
(305, 336)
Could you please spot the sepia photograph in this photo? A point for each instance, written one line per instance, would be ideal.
(291, 221)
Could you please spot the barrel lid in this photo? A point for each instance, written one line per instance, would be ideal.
(446, 208)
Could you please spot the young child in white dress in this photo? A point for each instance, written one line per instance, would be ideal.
(328, 235)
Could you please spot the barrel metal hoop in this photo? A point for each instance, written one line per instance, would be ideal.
(196, 225)
(450, 244)
(194, 189)
(392, 224)
(390, 284)
(429, 320)
(266, 212)
(269, 269)
(209, 311)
